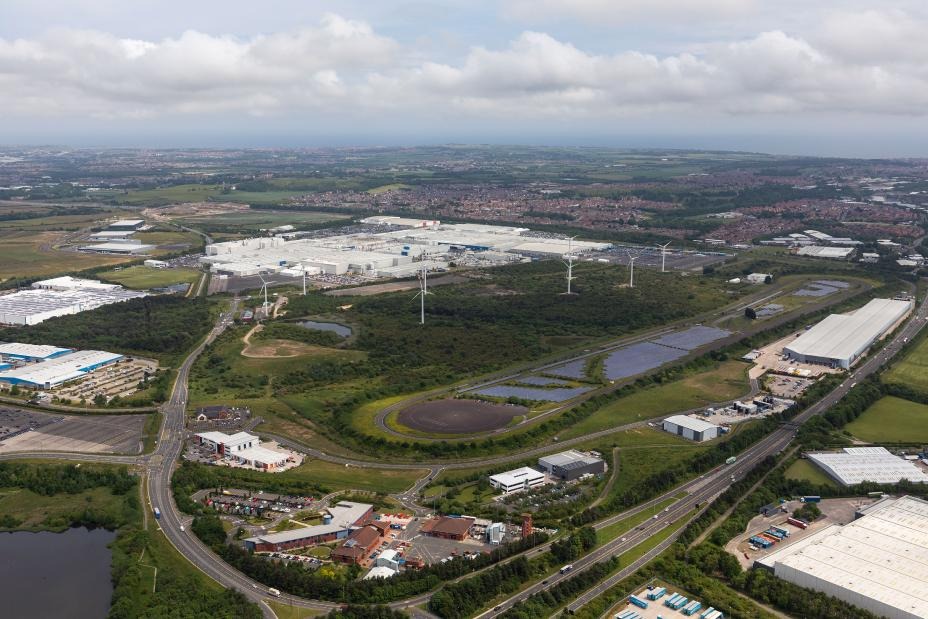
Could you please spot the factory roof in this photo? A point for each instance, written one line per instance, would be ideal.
(567, 457)
(842, 336)
(32, 351)
(691, 423)
(67, 282)
(881, 557)
(60, 369)
(297, 534)
(448, 526)
(228, 439)
(856, 465)
(818, 251)
(122, 223)
(118, 248)
(348, 513)
(261, 454)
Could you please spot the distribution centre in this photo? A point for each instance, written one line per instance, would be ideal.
(840, 339)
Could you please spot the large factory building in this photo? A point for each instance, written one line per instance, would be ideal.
(878, 562)
(839, 340)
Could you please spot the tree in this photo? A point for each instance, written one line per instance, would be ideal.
(750, 313)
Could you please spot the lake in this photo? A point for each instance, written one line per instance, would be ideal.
(63, 575)
(334, 327)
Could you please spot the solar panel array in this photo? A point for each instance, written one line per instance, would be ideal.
(541, 381)
(692, 338)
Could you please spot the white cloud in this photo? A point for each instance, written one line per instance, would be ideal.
(344, 67)
(622, 11)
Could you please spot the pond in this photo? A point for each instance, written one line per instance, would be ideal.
(63, 575)
(334, 327)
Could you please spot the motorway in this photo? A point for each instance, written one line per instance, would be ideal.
(175, 525)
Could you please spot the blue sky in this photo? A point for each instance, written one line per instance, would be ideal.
(838, 78)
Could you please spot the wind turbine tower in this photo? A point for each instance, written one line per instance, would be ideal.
(631, 270)
(264, 289)
(304, 281)
(423, 290)
(664, 254)
(570, 263)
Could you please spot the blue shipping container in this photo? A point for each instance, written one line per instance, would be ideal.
(637, 601)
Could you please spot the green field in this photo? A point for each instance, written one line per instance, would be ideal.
(341, 477)
(806, 471)
(912, 371)
(726, 382)
(31, 254)
(142, 277)
(386, 188)
(892, 420)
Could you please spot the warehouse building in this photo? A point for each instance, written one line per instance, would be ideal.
(855, 465)
(261, 458)
(61, 296)
(840, 339)
(693, 428)
(30, 353)
(126, 247)
(59, 369)
(878, 563)
(518, 479)
(570, 465)
(820, 251)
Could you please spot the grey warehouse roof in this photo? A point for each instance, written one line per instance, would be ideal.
(845, 336)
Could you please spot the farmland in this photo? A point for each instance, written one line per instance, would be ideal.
(892, 420)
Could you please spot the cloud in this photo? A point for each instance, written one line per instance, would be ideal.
(343, 68)
(614, 12)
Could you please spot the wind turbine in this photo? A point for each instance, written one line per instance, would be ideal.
(264, 288)
(304, 281)
(631, 269)
(423, 290)
(664, 254)
(570, 263)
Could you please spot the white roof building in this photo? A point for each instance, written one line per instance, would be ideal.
(878, 562)
(231, 444)
(855, 465)
(60, 369)
(517, 479)
(261, 457)
(818, 251)
(31, 351)
(73, 283)
(348, 513)
(692, 428)
(840, 339)
(117, 248)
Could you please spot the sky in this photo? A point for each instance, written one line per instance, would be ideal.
(830, 77)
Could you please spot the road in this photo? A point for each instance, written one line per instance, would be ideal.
(719, 479)
(698, 491)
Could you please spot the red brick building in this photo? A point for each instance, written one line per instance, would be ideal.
(359, 545)
(447, 527)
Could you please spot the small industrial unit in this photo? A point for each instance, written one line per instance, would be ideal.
(571, 465)
(692, 428)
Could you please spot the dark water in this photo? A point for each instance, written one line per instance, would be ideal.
(334, 327)
(62, 575)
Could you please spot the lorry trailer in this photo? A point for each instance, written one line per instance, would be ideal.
(692, 608)
(637, 601)
(796, 522)
(656, 594)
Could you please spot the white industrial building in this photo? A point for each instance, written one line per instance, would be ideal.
(389, 558)
(127, 224)
(380, 571)
(495, 533)
(59, 297)
(518, 479)
(878, 563)
(393, 253)
(59, 369)
(840, 339)
(819, 251)
(15, 351)
(692, 428)
(117, 247)
(855, 465)
(67, 282)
